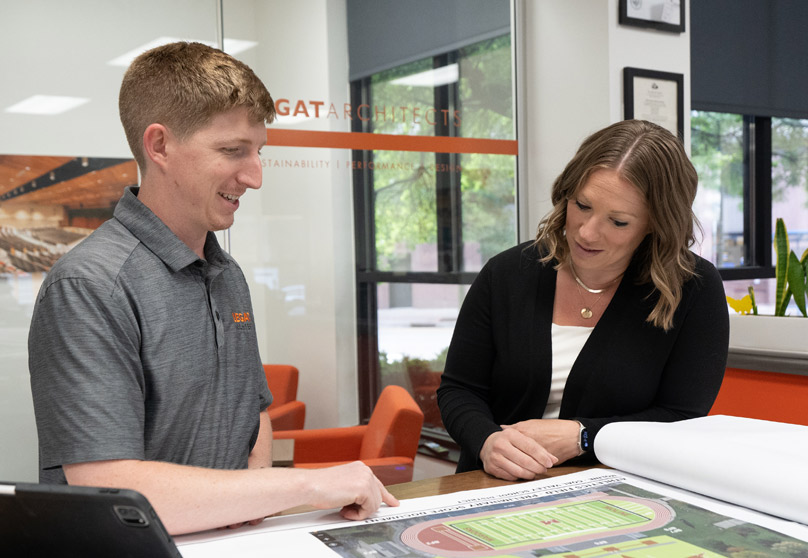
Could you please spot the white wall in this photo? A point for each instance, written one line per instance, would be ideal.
(575, 53)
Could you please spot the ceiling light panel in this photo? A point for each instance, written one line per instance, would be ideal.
(47, 104)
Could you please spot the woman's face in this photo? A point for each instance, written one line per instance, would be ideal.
(607, 220)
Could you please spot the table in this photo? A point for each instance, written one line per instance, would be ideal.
(470, 480)
(458, 482)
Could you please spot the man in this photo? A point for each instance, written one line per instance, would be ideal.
(143, 355)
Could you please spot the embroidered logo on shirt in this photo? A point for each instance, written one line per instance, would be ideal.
(243, 320)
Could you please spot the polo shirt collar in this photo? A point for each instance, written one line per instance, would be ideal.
(157, 237)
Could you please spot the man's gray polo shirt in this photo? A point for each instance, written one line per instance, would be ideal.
(140, 350)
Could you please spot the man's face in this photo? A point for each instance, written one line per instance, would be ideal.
(214, 167)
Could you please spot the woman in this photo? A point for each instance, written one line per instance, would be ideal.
(607, 316)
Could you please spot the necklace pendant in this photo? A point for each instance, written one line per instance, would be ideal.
(586, 313)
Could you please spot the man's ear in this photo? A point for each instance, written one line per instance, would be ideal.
(155, 140)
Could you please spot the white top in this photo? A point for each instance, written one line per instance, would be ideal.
(567, 344)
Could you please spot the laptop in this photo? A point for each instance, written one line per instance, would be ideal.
(67, 521)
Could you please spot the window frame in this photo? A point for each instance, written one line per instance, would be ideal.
(449, 240)
(757, 201)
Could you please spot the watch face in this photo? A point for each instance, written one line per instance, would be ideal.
(585, 439)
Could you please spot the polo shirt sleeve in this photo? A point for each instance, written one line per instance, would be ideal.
(264, 395)
(86, 378)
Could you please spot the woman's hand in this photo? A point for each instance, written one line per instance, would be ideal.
(559, 437)
(512, 455)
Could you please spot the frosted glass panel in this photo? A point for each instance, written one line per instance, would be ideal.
(61, 173)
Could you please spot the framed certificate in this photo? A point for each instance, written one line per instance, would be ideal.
(664, 15)
(655, 96)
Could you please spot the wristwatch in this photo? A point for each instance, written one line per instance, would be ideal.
(584, 442)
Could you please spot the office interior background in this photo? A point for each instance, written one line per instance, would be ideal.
(358, 259)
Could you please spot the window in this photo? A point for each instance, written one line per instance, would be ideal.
(426, 221)
(752, 171)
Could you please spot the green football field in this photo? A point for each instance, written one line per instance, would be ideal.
(545, 524)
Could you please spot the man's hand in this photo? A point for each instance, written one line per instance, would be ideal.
(511, 455)
(353, 487)
(190, 499)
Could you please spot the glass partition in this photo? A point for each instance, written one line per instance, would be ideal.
(64, 160)
(429, 218)
(65, 165)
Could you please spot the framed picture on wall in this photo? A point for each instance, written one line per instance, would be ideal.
(663, 15)
(655, 96)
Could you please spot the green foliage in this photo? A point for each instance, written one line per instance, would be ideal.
(718, 156)
(719, 144)
(404, 183)
(751, 291)
(789, 155)
(781, 249)
(412, 364)
(796, 279)
(717, 151)
(791, 273)
(795, 548)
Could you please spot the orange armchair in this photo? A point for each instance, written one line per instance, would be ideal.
(387, 443)
(286, 412)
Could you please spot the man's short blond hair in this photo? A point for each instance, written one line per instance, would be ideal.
(183, 86)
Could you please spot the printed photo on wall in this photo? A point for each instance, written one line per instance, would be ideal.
(49, 204)
(662, 15)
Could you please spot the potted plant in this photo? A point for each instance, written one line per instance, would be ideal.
(790, 272)
(767, 335)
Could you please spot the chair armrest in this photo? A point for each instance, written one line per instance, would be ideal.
(287, 416)
(325, 444)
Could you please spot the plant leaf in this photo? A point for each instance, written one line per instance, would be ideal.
(781, 249)
(796, 281)
(804, 262)
(751, 290)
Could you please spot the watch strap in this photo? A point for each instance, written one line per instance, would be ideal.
(584, 443)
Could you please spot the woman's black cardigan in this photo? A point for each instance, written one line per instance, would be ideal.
(498, 366)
